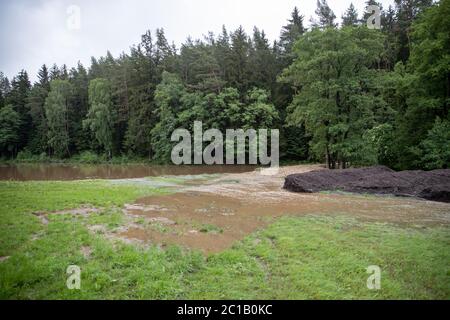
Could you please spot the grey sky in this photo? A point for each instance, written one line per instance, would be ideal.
(34, 32)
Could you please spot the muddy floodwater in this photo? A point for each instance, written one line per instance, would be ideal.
(212, 216)
(43, 172)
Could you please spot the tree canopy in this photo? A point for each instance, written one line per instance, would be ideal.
(339, 93)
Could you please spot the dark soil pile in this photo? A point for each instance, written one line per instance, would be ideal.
(432, 185)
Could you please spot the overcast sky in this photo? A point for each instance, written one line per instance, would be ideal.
(34, 32)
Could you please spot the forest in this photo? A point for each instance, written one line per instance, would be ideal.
(339, 93)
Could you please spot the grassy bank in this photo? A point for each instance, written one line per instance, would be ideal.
(294, 258)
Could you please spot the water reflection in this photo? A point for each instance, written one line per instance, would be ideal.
(39, 172)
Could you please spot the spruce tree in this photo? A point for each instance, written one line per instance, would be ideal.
(17, 97)
(292, 31)
(239, 59)
(5, 88)
(56, 112)
(350, 17)
(325, 15)
(9, 131)
(44, 77)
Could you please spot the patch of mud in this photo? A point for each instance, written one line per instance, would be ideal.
(86, 252)
(2, 259)
(36, 237)
(432, 185)
(83, 211)
(97, 229)
(239, 217)
(42, 216)
(130, 208)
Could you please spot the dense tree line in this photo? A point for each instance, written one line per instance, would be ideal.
(347, 95)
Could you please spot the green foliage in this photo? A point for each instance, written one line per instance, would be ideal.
(325, 14)
(350, 17)
(259, 112)
(422, 86)
(179, 108)
(17, 97)
(88, 157)
(336, 91)
(350, 95)
(100, 118)
(167, 97)
(290, 33)
(35, 103)
(9, 129)
(435, 149)
(56, 112)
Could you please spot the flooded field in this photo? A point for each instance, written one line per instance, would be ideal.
(212, 212)
(58, 172)
(212, 236)
(212, 216)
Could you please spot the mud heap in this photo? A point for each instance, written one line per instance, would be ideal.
(432, 185)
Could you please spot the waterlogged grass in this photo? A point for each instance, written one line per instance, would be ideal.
(294, 258)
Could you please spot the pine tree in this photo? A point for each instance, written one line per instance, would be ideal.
(55, 73)
(78, 108)
(292, 31)
(350, 18)
(325, 14)
(262, 62)
(35, 104)
(222, 53)
(95, 70)
(17, 97)
(64, 74)
(407, 12)
(56, 112)
(44, 77)
(367, 12)
(164, 53)
(5, 88)
(239, 60)
(9, 131)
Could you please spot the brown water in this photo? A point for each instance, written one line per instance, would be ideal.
(184, 218)
(236, 205)
(40, 172)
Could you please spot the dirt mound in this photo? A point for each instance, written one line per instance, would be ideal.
(432, 185)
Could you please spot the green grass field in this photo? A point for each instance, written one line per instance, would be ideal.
(311, 257)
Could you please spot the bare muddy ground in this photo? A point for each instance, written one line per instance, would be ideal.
(430, 185)
(212, 216)
(84, 211)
